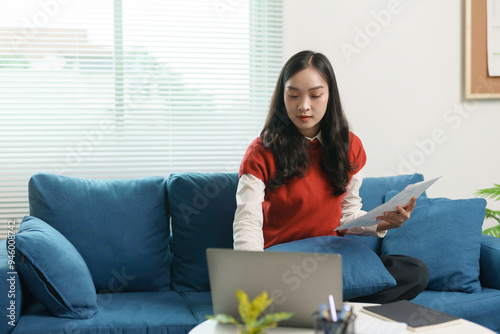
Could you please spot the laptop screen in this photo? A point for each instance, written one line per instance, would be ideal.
(297, 282)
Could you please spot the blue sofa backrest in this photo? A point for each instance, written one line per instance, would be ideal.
(373, 189)
(202, 207)
(119, 227)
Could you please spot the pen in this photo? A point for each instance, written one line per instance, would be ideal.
(333, 310)
(345, 313)
(323, 311)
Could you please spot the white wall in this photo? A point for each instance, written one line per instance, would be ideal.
(402, 88)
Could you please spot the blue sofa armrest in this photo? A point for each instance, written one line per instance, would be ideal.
(489, 262)
(10, 288)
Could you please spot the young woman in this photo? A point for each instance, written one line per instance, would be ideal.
(301, 177)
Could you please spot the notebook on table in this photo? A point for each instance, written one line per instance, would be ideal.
(297, 282)
(417, 317)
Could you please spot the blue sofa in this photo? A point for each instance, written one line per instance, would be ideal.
(128, 256)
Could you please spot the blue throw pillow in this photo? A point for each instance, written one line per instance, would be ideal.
(446, 235)
(363, 273)
(54, 271)
(120, 227)
(202, 207)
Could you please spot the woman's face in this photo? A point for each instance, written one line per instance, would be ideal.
(306, 98)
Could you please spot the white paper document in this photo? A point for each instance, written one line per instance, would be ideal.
(401, 199)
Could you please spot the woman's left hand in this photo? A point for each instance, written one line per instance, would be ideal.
(396, 219)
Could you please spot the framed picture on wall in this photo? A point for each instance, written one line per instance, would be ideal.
(482, 61)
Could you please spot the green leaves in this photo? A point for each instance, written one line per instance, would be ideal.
(271, 320)
(491, 193)
(494, 231)
(250, 312)
(493, 214)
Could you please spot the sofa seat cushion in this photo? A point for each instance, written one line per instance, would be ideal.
(119, 313)
(446, 235)
(481, 308)
(54, 271)
(202, 207)
(200, 303)
(363, 273)
(120, 227)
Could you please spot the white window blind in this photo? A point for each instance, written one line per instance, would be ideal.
(125, 89)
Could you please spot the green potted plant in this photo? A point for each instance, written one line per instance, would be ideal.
(250, 312)
(491, 193)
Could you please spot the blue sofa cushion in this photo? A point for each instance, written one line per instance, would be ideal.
(120, 227)
(119, 313)
(202, 207)
(200, 303)
(489, 262)
(481, 308)
(372, 242)
(446, 235)
(363, 273)
(54, 271)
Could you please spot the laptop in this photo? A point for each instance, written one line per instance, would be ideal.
(297, 282)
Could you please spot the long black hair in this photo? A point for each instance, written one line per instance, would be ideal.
(289, 146)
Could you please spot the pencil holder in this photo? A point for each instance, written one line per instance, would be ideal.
(323, 325)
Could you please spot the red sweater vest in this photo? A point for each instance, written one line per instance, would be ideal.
(305, 207)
